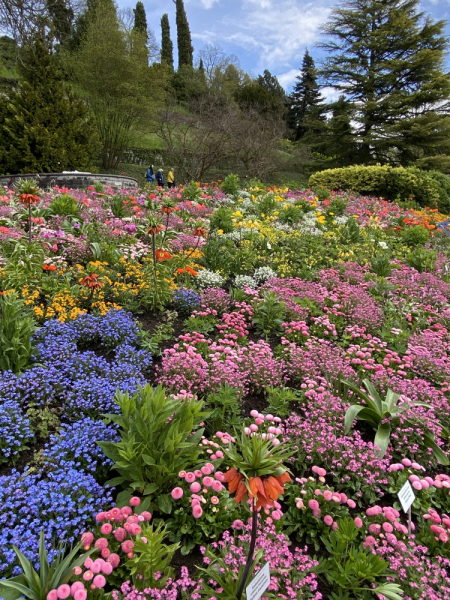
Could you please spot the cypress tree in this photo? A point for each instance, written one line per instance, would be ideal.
(305, 97)
(388, 60)
(166, 42)
(44, 126)
(140, 19)
(184, 41)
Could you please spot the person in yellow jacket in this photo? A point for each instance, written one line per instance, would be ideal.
(171, 178)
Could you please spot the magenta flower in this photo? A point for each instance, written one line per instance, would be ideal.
(214, 500)
(63, 591)
(358, 523)
(177, 493)
(106, 528)
(238, 524)
(86, 539)
(88, 575)
(135, 501)
(328, 520)
(217, 486)
(120, 534)
(77, 585)
(327, 495)
(208, 481)
(80, 594)
(52, 595)
(114, 560)
(99, 581)
(195, 487)
(388, 527)
(313, 505)
(190, 477)
(197, 511)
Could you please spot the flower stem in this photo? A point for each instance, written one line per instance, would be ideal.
(29, 223)
(250, 552)
(154, 250)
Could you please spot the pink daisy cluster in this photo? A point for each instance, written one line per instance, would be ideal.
(203, 485)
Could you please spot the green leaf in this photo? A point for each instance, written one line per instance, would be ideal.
(440, 455)
(165, 503)
(21, 589)
(151, 488)
(391, 591)
(382, 437)
(351, 414)
(116, 481)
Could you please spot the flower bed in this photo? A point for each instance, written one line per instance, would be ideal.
(161, 345)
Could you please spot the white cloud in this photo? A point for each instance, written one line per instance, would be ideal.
(204, 3)
(331, 94)
(287, 79)
(278, 30)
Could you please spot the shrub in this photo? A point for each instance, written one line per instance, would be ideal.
(428, 188)
(17, 325)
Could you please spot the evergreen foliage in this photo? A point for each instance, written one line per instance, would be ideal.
(184, 41)
(61, 15)
(140, 19)
(388, 60)
(305, 98)
(166, 42)
(45, 127)
(111, 72)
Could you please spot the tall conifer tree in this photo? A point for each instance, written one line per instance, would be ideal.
(140, 19)
(184, 41)
(388, 60)
(166, 42)
(45, 128)
(305, 97)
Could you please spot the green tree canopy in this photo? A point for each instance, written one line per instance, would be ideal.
(140, 19)
(388, 60)
(166, 42)
(184, 41)
(305, 97)
(45, 128)
(111, 72)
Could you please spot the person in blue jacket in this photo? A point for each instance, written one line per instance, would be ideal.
(160, 178)
(150, 174)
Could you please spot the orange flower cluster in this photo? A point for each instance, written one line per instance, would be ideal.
(427, 218)
(49, 267)
(265, 489)
(153, 230)
(200, 232)
(162, 255)
(28, 199)
(91, 282)
(187, 270)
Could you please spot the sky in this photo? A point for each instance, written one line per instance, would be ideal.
(263, 34)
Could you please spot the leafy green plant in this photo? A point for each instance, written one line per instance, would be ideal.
(279, 398)
(164, 332)
(225, 409)
(269, 314)
(382, 414)
(36, 585)
(350, 233)
(43, 420)
(352, 569)
(231, 185)
(98, 187)
(17, 325)
(64, 205)
(159, 438)
(192, 192)
(381, 265)
(150, 557)
(118, 207)
(222, 220)
(415, 236)
(24, 266)
(321, 192)
(422, 260)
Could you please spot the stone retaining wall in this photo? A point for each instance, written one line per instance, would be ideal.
(73, 180)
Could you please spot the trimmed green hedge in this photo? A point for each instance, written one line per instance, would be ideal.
(428, 188)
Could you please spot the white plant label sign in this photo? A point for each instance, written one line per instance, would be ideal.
(259, 584)
(406, 496)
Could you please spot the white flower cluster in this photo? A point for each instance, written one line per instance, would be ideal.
(341, 220)
(209, 279)
(242, 281)
(248, 207)
(262, 274)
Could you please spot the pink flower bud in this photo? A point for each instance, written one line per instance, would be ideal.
(135, 501)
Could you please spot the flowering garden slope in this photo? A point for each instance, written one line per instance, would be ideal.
(314, 323)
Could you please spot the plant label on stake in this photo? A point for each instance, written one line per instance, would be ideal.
(407, 497)
(259, 583)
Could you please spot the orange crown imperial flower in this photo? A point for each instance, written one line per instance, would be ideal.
(91, 282)
(200, 232)
(28, 199)
(162, 255)
(265, 489)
